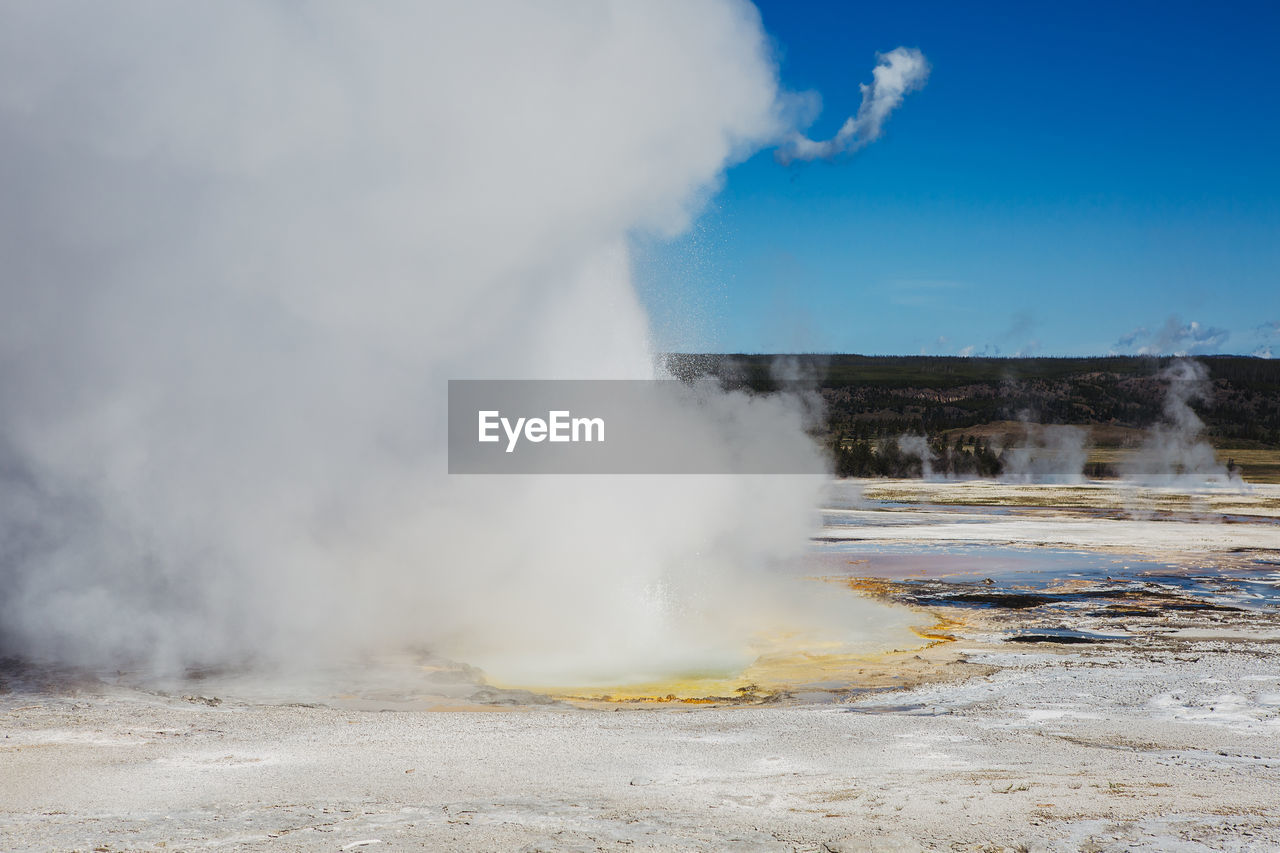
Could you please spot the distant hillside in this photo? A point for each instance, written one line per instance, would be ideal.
(930, 395)
(971, 411)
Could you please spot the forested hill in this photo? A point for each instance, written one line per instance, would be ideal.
(871, 396)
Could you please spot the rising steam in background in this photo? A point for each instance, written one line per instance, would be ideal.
(1174, 452)
(917, 447)
(900, 71)
(245, 246)
(1048, 453)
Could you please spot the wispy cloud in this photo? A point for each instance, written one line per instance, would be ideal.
(910, 284)
(1173, 338)
(1020, 325)
(1018, 334)
(1266, 333)
(920, 292)
(901, 70)
(1128, 341)
(1016, 337)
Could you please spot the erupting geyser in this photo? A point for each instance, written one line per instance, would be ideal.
(246, 245)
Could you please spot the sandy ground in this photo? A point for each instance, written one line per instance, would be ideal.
(1259, 500)
(1152, 538)
(1094, 516)
(1166, 738)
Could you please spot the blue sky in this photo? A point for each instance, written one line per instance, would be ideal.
(1073, 179)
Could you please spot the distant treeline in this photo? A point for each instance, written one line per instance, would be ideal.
(885, 457)
(871, 400)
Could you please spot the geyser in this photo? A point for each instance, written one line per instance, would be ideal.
(245, 246)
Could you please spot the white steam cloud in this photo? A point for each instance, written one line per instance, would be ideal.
(900, 71)
(1048, 453)
(917, 447)
(245, 245)
(1175, 453)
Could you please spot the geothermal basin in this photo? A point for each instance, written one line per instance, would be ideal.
(1088, 667)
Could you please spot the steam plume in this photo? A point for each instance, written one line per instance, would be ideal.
(1047, 454)
(1174, 454)
(246, 245)
(900, 71)
(917, 447)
